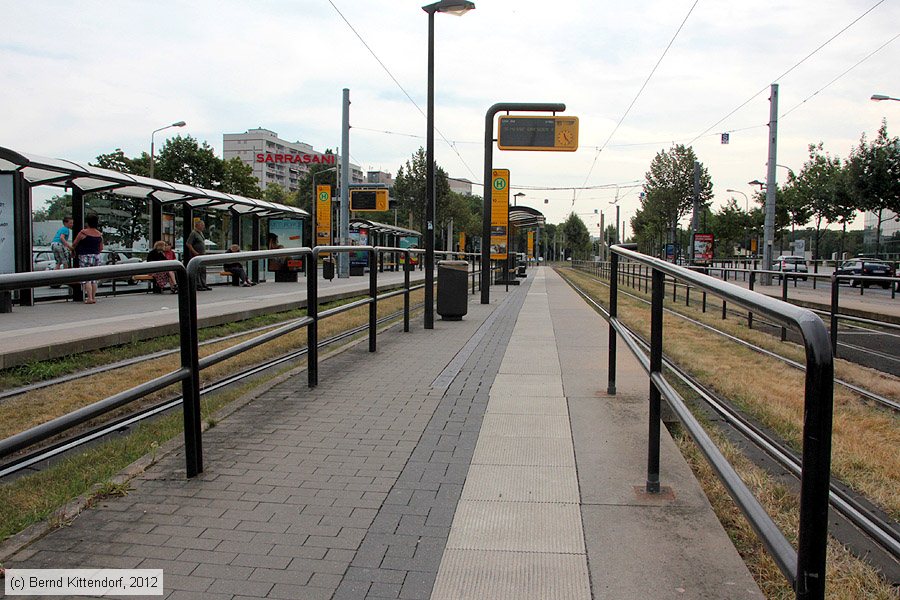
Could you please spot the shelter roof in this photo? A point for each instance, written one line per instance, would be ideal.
(525, 216)
(381, 227)
(40, 170)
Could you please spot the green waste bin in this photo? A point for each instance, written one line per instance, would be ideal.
(453, 291)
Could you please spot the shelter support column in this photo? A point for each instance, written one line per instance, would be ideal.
(254, 245)
(156, 216)
(77, 225)
(22, 227)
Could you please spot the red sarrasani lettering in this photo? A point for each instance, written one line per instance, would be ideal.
(323, 159)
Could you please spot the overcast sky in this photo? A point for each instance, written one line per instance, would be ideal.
(83, 78)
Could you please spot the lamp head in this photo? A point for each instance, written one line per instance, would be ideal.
(179, 124)
(879, 97)
(453, 7)
(761, 184)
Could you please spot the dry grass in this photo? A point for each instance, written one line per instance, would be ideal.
(864, 439)
(28, 410)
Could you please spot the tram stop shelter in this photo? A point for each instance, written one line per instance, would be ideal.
(382, 234)
(20, 172)
(521, 217)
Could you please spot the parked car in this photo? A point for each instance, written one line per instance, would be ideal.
(866, 267)
(791, 266)
(43, 261)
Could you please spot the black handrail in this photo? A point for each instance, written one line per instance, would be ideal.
(805, 569)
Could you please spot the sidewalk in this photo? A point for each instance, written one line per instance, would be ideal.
(478, 460)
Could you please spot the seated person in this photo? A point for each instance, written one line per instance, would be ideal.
(237, 269)
(159, 252)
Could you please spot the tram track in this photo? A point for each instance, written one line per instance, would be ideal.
(877, 538)
(878, 399)
(30, 459)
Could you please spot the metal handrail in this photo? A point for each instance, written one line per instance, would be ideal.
(805, 568)
(191, 364)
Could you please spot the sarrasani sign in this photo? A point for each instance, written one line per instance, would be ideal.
(317, 159)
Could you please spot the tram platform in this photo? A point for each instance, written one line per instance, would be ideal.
(56, 328)
(482, 459)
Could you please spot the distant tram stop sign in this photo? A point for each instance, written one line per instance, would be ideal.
(552, 134)
(369, 200)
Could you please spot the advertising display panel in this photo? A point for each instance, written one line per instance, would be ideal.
(530, 244)
(704, 243)
(7, 226)
(499, 213)
(290, 235)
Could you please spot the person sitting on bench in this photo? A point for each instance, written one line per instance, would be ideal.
(237, 269)
(159, 252)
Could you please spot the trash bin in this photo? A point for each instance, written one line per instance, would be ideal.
(328, 268)
(453, 291)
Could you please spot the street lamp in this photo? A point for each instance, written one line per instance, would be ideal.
(517, 196)
(152, 144)
(761, 184)
(880, 97)
(746, 199)
(458, 8)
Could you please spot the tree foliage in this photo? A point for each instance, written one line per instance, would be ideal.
(578, 241)
(669, 187)
(873, 176)
(409, 191)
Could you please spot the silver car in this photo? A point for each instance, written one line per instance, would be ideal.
(791, 266)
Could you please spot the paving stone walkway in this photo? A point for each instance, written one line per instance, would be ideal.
(344, 491)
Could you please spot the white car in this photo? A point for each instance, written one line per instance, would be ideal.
(791, 266)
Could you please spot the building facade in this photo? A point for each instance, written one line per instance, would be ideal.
(380, 177)
(461, 186)
(275, 160)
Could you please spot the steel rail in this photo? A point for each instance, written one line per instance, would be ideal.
(28, 460)
(882, 400)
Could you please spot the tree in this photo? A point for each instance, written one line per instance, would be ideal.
(578, 241)
(874, 177)
(816, 187)
(57, 207)
(237, 178)
(184, 160)
(409, 190)
(730, 225)
(669, 187)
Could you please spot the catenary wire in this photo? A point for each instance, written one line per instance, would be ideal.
(399, 85)
(800, 62)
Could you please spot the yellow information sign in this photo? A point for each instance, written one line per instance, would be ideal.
(530, 244)
(499, 213)
(462, 244)
(550, 134)
(323, 215)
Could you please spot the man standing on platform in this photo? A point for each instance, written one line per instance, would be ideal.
(196, 245)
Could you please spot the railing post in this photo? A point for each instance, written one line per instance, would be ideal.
(784, 297)
(835, 293)
(373, 299)
(190, 360)
(613, 314)
(750, 312)
(818, 408)
(656, 341)
(312, 330)
(408, 256)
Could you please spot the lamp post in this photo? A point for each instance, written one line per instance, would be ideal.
(155, 205)
(880, 97)
(152, 143)
(459, 8)
(746, 199)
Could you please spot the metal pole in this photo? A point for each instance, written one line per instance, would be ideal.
(835, 300)
(429, 183)
(771, 185)
(190, 360)
(344, 258)
(406, 270)
(312, 330)
(613, 314)
(373, 296)
(656, 342)
(488, 167)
